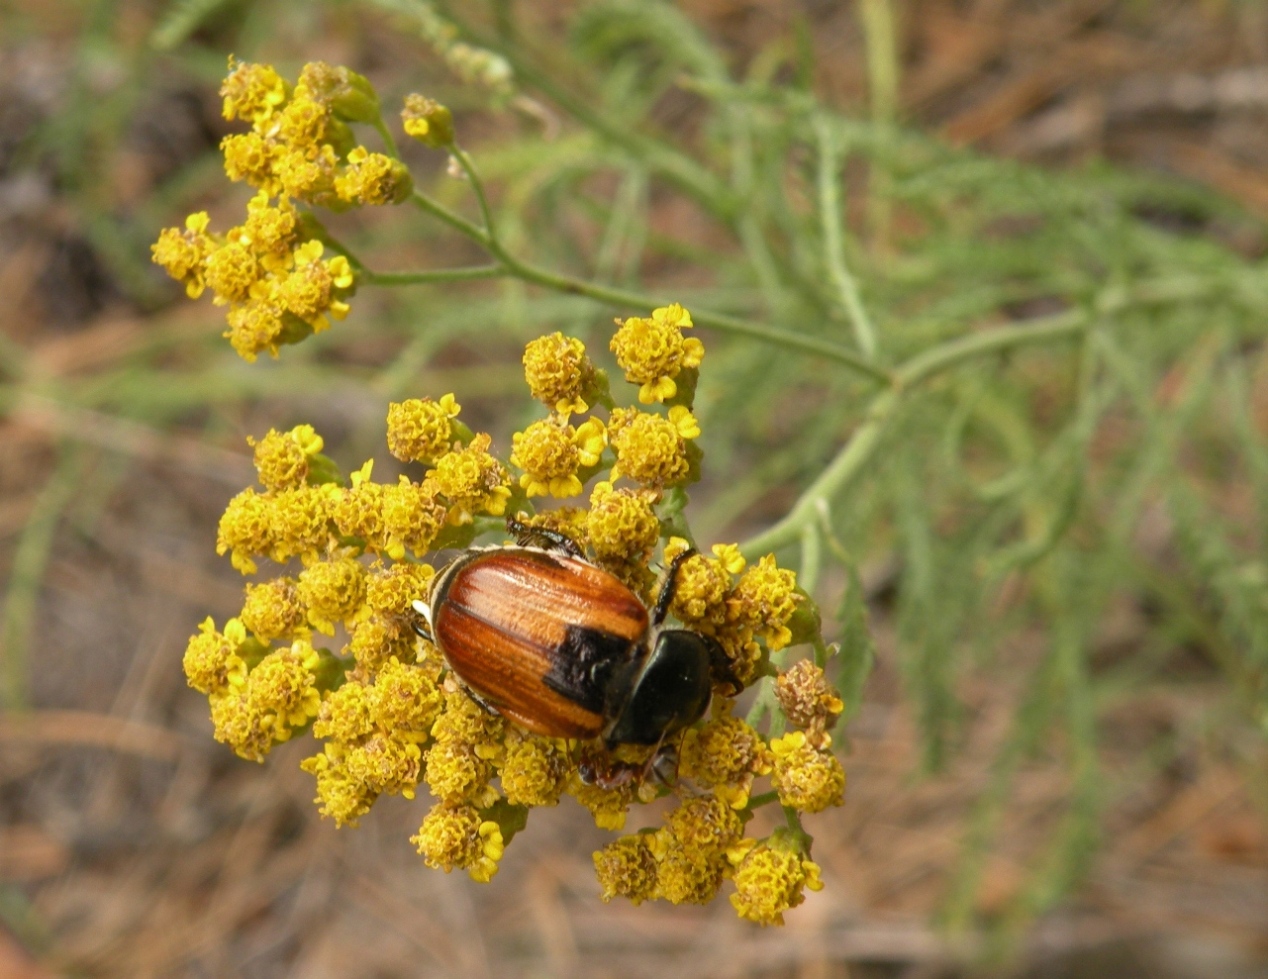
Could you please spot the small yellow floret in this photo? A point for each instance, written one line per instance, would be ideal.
(473, 481)
(652, 351)
(333, 590)
(559, 373)
(805, 778)
(273, 609)
(420, 430)
(650, 449)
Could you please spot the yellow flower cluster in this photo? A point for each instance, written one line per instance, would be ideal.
(652, 351)
(270, 271)
(389, 713)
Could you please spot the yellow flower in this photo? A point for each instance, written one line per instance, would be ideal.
(805, 778)
(770, 879)
(621, 525)
(251, 158)
(231, 270)
(559, 373)
(412, 517)
(299, 523)
(254, 327)
(391, 590)
(406, 701)
(650, 449)
(704, 827)
(344, 715)
(251, 92)
(270, 230)
(472, 481)
(456, 836)
(375, 641)
(549, 455)
(239, 723)
(246, 529)
(421, 430)
(349, 95)
(358, 510)
(281, 459)
(373, 178)
(701, 588)
(725, 755)
(607, 806)
(283, 686)
(273, 609)
(765, 598)
(626, 868)
(427, 121)
(385, 764)
(211, 659)
(652, 351)
(333, 590)
(807, 698)
(183, 254)
(685, 876)
(340, 796)
(534, 769)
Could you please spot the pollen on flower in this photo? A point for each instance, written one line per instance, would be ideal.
(608, 806)
(807, 779)
(770, 879)
(412, 516)
(533, 770)
(406, 700)
(650, 449)
(273, 609)
(281, 458)
(725, 755)
(344, 715)
(421, 430)
(333, 591)
(559, 373)
(621, 524)
(246, 530)
(373, 178)
(427, 121)
(626, 867)
(392, 590)
(652, 351)
(549, 456)
(765, 598)
(340, 796)
(252, 92)
(211, 659)
(473, 481)
(807, 698)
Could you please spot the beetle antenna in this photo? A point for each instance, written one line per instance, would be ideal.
(667, 590)
(526, 534)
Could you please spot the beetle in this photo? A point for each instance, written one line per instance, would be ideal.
(563, 648)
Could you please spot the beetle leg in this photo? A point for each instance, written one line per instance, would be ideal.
(526, 534)
(720, 666)
(667, 589)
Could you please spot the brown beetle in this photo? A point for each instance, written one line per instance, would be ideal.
(563, 648)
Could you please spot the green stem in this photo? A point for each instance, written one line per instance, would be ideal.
(833, 239)
(757, 801)
(468, 167)
(389, 140)
(624, 298)
(460, 274)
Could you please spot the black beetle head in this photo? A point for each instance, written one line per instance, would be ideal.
(670, 692)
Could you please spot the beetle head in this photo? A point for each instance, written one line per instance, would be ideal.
(669, 692)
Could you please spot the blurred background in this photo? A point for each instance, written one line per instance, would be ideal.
(1059, 763)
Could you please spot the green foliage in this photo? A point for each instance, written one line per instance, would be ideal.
(1000, 378)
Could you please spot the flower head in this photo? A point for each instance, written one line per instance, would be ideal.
(652, 351)
(770, 878)
(427, 121)
(651, 449)
(559, 373)
(472, 480)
